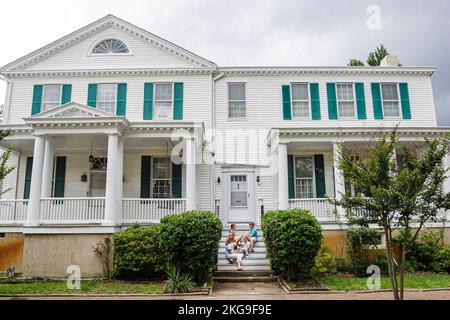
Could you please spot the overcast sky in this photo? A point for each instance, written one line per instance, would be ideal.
(246, 32)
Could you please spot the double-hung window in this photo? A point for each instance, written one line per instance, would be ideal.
(345, 100)
(163, 101)
(304, 177)
(236, 101)
(300, 100)
(391, 105)
(106, 97)
(160, 184)
(51, 97)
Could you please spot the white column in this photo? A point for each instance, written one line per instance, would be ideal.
(339, 182)
(119, 180)
(191, 185)
(34, 203)
(111, 180)
(283, 178)
(47, 172)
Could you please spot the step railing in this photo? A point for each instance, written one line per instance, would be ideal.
(13, 211)
(150, 210)
(72, 210)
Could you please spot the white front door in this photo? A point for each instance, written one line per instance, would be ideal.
(239, 196)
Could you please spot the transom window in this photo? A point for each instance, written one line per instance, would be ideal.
(110, 46)
(304, 177)
(161, 178)
(106, 97)
(300, 100)
(163, 100)
(345, 100)
(236, 100)
(51, 96)
(389, 93)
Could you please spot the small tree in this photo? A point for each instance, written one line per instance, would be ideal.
(376, 56)
(403, 197)
(5, 169)
(355, 63)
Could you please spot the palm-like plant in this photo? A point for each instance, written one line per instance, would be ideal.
(178, 282)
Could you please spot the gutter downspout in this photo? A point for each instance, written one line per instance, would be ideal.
(213, 140)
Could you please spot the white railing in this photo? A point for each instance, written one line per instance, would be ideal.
(321, 209)
(13, 211)
(150, 210)
(72, 210)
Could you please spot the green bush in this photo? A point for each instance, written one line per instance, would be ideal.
(325, 263)
(441, 260)
(137, 253)
(178, 282)
(359, 242)
(190, 241)
(293, 240)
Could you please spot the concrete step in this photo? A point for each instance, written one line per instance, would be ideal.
(260, 239)
(261, 249)
(233, 267)
(258, 244)
(261, 273)
(245, 279)
(252, 256)
(246, 262)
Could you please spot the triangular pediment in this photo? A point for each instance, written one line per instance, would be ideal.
(72, 52)
(72, 110)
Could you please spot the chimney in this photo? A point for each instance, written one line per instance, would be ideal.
(390, 61)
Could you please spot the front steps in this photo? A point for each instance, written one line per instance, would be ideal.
(256, 261)
(244, 276)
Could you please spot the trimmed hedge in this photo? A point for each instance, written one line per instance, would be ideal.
(190, 241)
(293, 239)
(137, 253)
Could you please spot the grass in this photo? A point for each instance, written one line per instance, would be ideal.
(92, 287)
(412, 281)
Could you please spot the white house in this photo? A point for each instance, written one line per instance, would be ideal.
(113, 126)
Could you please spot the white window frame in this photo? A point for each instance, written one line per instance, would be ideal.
(354, 101)
(309, 117)
(244, 118)
(91, 53)
(170, 117)
(313, 176)
(115, 97)
(43, 102)
(152, 178)
(400, 116)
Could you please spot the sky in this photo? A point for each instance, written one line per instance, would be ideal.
(250, 32)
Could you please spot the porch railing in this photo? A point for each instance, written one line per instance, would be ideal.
(72, 210)
(321, 209)
(150, 210)
(13, 211)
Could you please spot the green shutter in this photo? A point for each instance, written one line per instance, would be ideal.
(60, 177)
(148, 101)
(320, 175)
(92, 95)
(66, 96)
(332, 103)
(291, 182)
(406, 105)
(376, 98)
(146, 162)
(176, 180)
(360, 101)
(286, 91)
(121, 99)
(315, 101)
(178, 101)
(28, 172)
(37, 99)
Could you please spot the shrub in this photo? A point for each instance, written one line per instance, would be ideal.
(190, 241)
(325, 262)
(359, 242)
(293, 240)
(441, 260)
(137, 253)
(178, 282)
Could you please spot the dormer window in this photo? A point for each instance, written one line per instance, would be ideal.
(110, 46)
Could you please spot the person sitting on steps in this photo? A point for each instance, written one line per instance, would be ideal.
(231, 252)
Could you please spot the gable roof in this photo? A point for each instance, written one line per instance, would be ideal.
(74, 108)
(97, 26)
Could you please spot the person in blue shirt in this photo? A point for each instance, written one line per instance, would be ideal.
(253, 235)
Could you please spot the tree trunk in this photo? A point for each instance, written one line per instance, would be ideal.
(390, 263)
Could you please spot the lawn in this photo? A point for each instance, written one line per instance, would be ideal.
(412, 281)
(91, 287)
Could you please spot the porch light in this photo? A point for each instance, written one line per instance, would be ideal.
(83, 177)
(218, 180)
(258, 179)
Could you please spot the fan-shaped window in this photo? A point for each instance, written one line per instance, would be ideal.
(110, 46)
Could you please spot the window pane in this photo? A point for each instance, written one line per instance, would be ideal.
(344, 91)
(51, 97)
(300, 91)
(391, 109)
(300, 109)
(237, 110)
(236, 91)
(163, 91)
(161, 168)
(163, 110)
(238, 191)
(110, 46)
(389, 91)
(304, 188)
(346, 109)
(304, 167)
(106, 96)
(161, 178)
